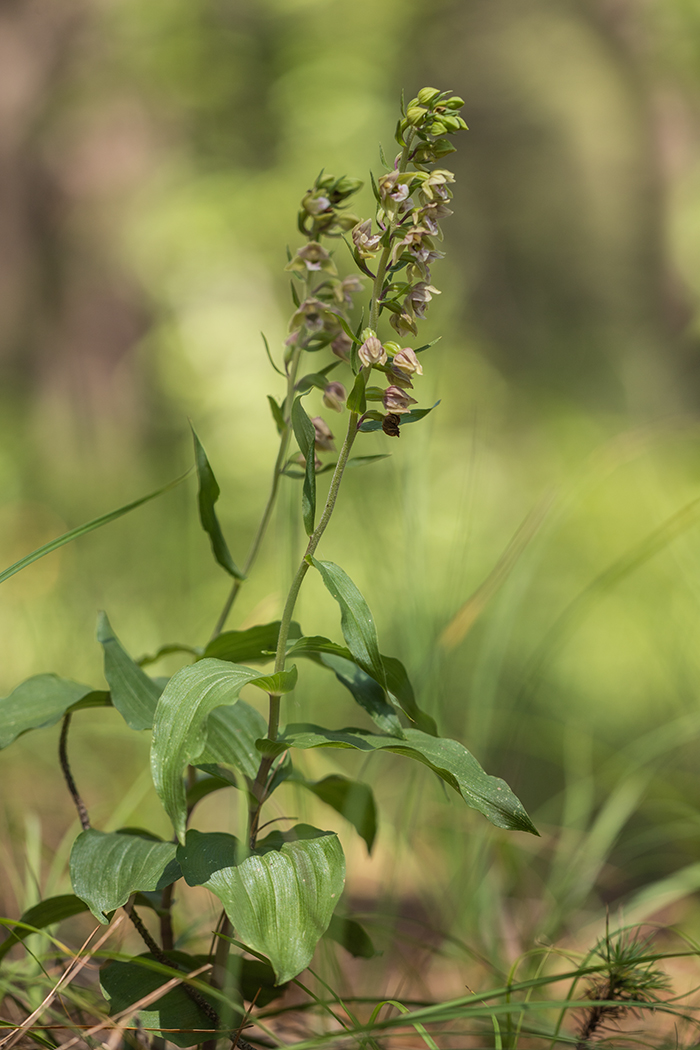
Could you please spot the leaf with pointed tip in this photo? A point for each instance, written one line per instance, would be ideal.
(364, 688)
(352, 936)
(448, 758)
(46, 913)
(39, 702)
(134, 694)
(254, 645)
(174, 1016)
(208, 495)
(401, 693)
(306, 439)
(277, 414)
(356, 620)
(231, 735)
(180, 726)
(82, 530)
(107, 867)
(352, 799)
(280, 898)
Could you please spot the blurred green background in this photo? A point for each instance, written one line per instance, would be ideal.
(151, 163)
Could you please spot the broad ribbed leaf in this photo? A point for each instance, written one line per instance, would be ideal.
(231, 735)
(134, 694)
(39, 702)
(256, 645)
(280, 898)
(448, 758)
(208, 495)
(352, 799)
(368, 693)
(106, 868)
(356, 620)
(306, 439)
(124, 983)
(82, 530)
(180, 726)
(45, 913)
(351, 936)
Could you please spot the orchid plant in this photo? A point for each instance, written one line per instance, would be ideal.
(279, 891)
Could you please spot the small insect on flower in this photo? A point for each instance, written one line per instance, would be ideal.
(390, 425)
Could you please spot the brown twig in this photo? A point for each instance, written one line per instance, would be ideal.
(63, 759)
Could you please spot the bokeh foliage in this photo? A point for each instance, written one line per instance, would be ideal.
(152, 180)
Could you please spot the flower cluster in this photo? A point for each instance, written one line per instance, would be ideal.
(396, 252)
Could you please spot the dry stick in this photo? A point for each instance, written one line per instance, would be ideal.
(71, 971)
(63, 759)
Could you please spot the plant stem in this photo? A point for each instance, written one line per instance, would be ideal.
(258, 787)
(386, 254)
(65, 767)
(269, 506)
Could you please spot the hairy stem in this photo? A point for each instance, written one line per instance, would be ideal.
(386, 253)
(285, 438)
(259, 785)
(65, 767)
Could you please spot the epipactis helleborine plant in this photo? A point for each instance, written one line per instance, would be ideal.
(281, 893)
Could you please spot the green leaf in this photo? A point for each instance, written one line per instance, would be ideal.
(106, 868)
(205, 786)
(355, 619)
(45, 913)
(357, 399)
(279, 683)
(369, 425)
(124, 983)
(350, 798)
(364, 461)
(39, 702)
(167, 650)
(208, 495)
(364, 688)
(401, 692)
(269, 357)
(367, 693)
(448, 758)
(180, 726)
(280, 900)
(255, 645)
(277, 414)
(134, 694)
(82, 530)
(352, 937)
(231, 735)
(306, 439)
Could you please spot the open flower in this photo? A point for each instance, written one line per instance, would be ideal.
(406, 361)
(312, 256)
(372, 352)
(419, 297)
(341, 346)
(364, 240)
(397, 400)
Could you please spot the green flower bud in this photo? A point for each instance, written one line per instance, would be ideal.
(415, 114)
(454, 103)
(427, 96)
